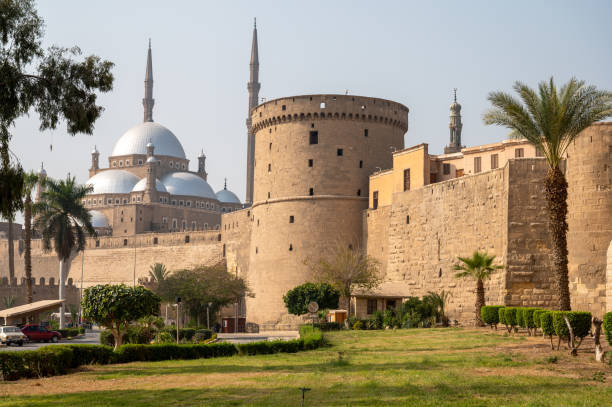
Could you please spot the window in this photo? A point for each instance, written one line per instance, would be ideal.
(519, 153)
(446, 169)
(494, 161)
(314, 137)
(310, 162)
(291, 219)
(183, 225)
(127, 163)
(114, 163)
(375, 200)
(360, 163)
(187, 239)
(174, 202)
(181, 202)
(390, 304)
(284, 107)
(339, 152)
(311, 191)
(121, 163)
(269, 167)
(206, 226)
(174, 224)
(365, 132)
(139, 162)
(125, 200)
(100, 201)
(109, 201)
(290, 247)
(359, 192)
(322, 105)
(270, 146)
(171, 164)
(407, 179)
(268, 195)
(477, 166)
(89, 202)
(372, 305)
(539, 152)
(312, 125)
(125, 242)
(188, 204)
(407, 219)
(117, 201)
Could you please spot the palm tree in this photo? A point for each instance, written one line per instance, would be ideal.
(158, 272)
(30, 181)
(63, 218)
(480, 267)
(551, 120)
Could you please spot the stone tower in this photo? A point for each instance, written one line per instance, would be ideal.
(314, 155)
(148, 100)
(455, 127)
(202, 165)
(42, 174)
(95, 161)
(150, 192)
(253, 87)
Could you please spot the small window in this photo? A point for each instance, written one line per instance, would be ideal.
(117, 201)
(114, 163)
(188, 204)
(359, 192)
(290, 247)
(109, 201)
(154, 240)
(365, 132)
(174, 202)
(174, 224)
(291, 219)
(183, 166)
(340, 152)
(314, 137)
(268, 195)
(181, 203)
(97, 243)
(311, 191)
(322, 105)
(139, 162)
(446, 169)
(360, 163)
(127, 163)
(375, 200)
(477, 164)
(407, 219)
(519, 153)
(171, 164)
(269, 167)
(121, 163)
(270, 146)
(494, 161)
(125, 200)
(284, 107)
(187, 239)
(125, 242)
(372, 306)
(407, 179)
(310, 162)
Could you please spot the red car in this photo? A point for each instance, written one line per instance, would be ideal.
(40, 333)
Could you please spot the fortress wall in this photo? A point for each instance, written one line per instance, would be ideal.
(236, 231)
(44, 290)
(376, 235)
(589, 177)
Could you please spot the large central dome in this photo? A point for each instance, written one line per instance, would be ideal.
(135, 141)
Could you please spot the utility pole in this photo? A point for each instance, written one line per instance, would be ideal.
(81, 294)
(178, 305)
(208, 315)
(135, 220)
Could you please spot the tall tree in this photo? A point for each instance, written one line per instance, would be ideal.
(551, 119)
(49, 81)
(479, 267)
(63, 219)
(347, 269)
(31, 179)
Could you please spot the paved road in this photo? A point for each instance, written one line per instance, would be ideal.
(90, 338)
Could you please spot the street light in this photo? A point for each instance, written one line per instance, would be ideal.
(208, 315)
(178, 304)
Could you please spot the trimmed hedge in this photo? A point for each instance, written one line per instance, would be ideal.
(309, 340)
(171, 351)
(546, 323)
(490, 314)
(519, 317)
(328, 326)
(527, 317)
(579, 320)
(90, 355)
(502, 315)
(47, 361)
(607, 326)
(70, 332)
(536, 316)
(509, 315)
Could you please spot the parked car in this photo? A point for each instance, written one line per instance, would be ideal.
(40, 333)
(12, 334)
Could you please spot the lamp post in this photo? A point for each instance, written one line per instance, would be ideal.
(208, 315)
(178, 305)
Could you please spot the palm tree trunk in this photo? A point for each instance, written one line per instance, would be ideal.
(27, 256)
(11, 251)
(61, 292)
(480, 301)
(556, 199)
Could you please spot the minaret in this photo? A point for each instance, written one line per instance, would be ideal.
(202, 165)
(42, 174)
(253, 87)
(95, 160)
(148, 100)
(150, 192)
(455, 126)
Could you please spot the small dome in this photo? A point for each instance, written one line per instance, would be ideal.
(98, 220)
(455, 107)
(42, 172)
(227, 196)
(186, 183)
(142, 184)
(151, 159)
(112, 182)
(135, 140)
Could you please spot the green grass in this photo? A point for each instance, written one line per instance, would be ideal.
(424, 367)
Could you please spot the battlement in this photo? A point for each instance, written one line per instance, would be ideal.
(329, 107)
(22, 283)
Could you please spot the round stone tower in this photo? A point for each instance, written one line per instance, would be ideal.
(313, 157)
(589, 178)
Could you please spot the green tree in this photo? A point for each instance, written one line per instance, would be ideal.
(115, 306)
(438, 301)
(63, 219)
(479, 267)
(201, 285)
(30, 179)
(297, 299)
(49, 81)
(551, 119)
(158, 272)
(347, 269)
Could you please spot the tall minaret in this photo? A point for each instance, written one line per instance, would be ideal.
(455, 126)
(253, 87)
(148, 100)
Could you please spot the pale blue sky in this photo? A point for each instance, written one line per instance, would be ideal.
(411, 52)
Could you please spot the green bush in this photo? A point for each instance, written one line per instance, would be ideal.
(81, 331)
(546, 323)
(135, 334)
(47, 361)
(90, 354)
(297, 299)
(327, 326)
(607, 326)
(490, 314)
(536, 317)
(580, 322)
(170, 351)
(376, 320)
(527, 317)
(185, 334)
(358, 325)
(510, 317)
(502, 316)
(68, 332)
(519, 317)
(309, 339)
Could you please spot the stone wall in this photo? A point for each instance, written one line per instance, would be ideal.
(46, 289)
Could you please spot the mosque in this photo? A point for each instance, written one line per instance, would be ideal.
(148, 186)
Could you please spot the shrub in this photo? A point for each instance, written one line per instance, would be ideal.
(391, 319)
(358, 325)
(297, 299)
(519, 317)
(536, 316)
(90, 354)
(185, 334)
(580, 322)
(47, 361)
(327, 326)
(546, 323)
(309, 339)
(170, 351)
(68, 332)
(527, 319)
(607, 325)
(135, 334)
(510, 317)
(490, 314)
(502, 316)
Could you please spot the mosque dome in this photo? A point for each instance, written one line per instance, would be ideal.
(112, 182)
(185, 183)
(227, 196)
(142, 184)
(98, 220)
(135, 140)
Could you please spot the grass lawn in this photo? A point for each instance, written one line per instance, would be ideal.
(424, 367)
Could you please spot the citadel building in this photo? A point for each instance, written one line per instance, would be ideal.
(333, 169)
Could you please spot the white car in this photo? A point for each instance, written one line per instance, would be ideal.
(12, 334)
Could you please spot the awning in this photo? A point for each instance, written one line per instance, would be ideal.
(27, 309)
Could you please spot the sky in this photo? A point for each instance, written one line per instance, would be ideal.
(412, 52)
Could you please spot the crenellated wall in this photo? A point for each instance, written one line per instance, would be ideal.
(46, 289)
